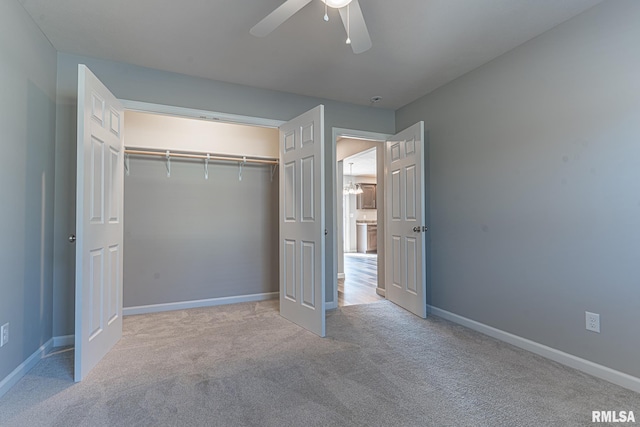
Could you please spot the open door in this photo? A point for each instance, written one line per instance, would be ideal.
(405, 220)
(99, 202)
(302, 222)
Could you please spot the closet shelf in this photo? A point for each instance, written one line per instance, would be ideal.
(201, 156)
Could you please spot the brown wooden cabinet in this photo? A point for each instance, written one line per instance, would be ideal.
(367, 199)
(367, 237)
(372, 238)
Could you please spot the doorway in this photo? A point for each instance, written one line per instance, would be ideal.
(185, 239)
(360, 217)
(360, 228)
(99, 218)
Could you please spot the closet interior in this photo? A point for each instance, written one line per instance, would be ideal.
(201, 211)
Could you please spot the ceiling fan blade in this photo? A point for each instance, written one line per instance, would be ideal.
(360, 40)
(273, 20)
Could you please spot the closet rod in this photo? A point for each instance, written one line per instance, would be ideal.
(200, 156)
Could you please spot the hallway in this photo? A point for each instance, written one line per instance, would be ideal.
(361, 280)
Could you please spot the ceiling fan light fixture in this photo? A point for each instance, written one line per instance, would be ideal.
(349, 11)
(337, 4)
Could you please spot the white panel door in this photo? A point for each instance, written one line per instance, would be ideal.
(302, 241)
(99, 200)
(405, 220)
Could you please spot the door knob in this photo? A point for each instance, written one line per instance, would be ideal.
(72, 238)
(416, 229)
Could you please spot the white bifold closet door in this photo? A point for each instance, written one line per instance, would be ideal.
(99, 230)
(405, 220)
(302, 221)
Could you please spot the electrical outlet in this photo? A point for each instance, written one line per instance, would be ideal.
(4, 334)
(593, 321)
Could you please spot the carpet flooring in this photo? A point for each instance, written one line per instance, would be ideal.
(244, 365)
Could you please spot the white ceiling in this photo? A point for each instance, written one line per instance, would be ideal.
(364, 164)
(418, 45)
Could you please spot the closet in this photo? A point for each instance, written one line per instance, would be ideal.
(198, 229)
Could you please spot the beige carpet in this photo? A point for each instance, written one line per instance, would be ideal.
(244, 365)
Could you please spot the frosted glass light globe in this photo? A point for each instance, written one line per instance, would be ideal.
(337, 4)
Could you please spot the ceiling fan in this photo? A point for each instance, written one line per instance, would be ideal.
(350, 12)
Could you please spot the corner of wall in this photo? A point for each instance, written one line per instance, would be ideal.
(26, 253)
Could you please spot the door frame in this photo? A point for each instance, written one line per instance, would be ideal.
(379, 138)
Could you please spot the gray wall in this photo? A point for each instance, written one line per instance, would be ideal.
(535, 188)
(187, 238)
(27, 121)
(143, 84)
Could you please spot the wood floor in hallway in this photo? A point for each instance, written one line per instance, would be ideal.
(361, 280)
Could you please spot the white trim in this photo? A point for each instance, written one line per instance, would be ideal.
(591, 368)
(211, 302)
(381, 291)
(22, 369)
(64, 340)
(341, 276)
(348, 133)
(331, 305)
(147, 107)
(360, 134)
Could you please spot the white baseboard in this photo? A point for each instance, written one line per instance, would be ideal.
(63, 341)
(382, 292)
(591, 368)
(156, 308)
(340, 276)
(331, 305)
(22, 369)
